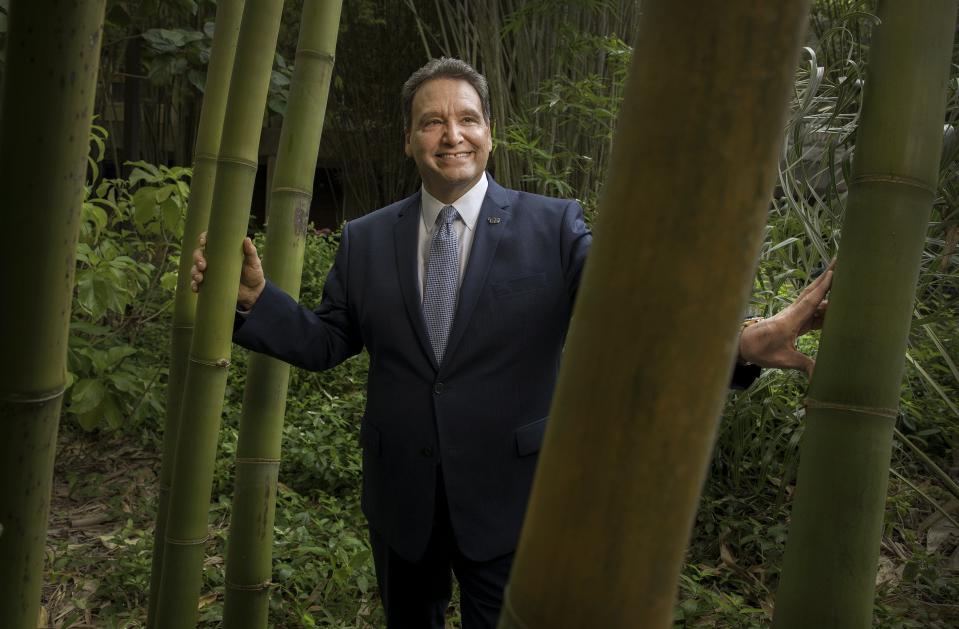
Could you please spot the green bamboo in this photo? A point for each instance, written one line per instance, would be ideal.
(832, 554)
(249, 558)
(227, 28)
(53, 52)
(652, 339)
(202, 403)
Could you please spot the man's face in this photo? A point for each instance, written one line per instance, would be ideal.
(448, 137)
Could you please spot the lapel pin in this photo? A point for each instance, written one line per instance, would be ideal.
(493, 220)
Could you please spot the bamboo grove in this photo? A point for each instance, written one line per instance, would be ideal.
(639, 403)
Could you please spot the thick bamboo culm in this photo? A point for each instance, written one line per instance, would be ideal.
(249, 549)
(227, 28)
(53, 53)
(832, 553)
(653, 336)
(202, 404)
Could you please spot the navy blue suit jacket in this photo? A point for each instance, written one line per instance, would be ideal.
(481, 414)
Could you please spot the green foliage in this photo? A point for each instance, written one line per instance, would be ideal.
(125, 277)
(565, 138)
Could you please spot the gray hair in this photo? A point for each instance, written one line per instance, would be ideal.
(443, 68)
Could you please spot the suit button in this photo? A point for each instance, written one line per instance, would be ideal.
(428, 451)
(438, 388)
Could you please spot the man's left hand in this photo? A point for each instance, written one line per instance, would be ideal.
(772, 342)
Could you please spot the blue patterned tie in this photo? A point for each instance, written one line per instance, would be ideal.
(441, 282)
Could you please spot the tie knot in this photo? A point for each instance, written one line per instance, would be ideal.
(447, 215)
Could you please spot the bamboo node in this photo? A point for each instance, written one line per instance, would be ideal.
(316, 54)
(183, 327)
(889, 178)
(863, 410)
(258, 461)
(204, 157)
(265, 585)
(32, 398)
(294, 190)
(219, 362)
(187, 542)
(238, 161)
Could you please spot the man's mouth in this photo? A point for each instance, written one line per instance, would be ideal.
(454, 156)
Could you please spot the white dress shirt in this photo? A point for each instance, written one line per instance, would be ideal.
(467, 207)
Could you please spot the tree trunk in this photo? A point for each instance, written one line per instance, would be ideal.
(53, 52)
(652, 340)
(227, 28)
(202, 402)
(832, 554)
(249, 565)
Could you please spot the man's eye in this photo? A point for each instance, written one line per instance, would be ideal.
(433, 122)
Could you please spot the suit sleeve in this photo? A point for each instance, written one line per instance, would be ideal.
(311, 339)
(575, 241)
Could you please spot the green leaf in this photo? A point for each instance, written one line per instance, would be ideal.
(168, 281)
(118, 353)
(111, 413)
(172, 213)
(144, 206)
(124, 382)
(86, 395)
(139, 175)
(89, 420)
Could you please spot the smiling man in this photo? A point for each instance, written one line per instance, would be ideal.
(462, 295)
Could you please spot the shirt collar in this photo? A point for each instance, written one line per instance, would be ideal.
(467, 206)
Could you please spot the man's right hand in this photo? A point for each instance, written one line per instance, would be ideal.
(252, 280)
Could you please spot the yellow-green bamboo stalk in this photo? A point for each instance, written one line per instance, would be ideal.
(227, 28)
(832, 555)
(53, 52)
(186, 527)
(248, 558)
(653, 336)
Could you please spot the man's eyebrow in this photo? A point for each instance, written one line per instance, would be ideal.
(429, 114)
(435, 113)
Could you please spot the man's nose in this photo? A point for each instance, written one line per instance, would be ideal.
(452, 133)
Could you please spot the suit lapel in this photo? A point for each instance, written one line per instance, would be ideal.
(405, 239)
(492, 223)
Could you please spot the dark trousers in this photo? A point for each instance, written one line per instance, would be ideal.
(416, 594)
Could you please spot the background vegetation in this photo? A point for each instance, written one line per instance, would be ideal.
(558, 68)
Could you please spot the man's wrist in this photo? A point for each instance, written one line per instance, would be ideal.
(747, 322)
(246, 305)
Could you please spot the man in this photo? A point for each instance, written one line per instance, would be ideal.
(462, 295)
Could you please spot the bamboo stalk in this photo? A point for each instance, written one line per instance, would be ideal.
(249, 565)
(832, 554)
(53, 52)
(642, 383)
(226, 30)
(186, 528)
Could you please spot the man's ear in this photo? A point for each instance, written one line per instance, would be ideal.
(406, 146)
